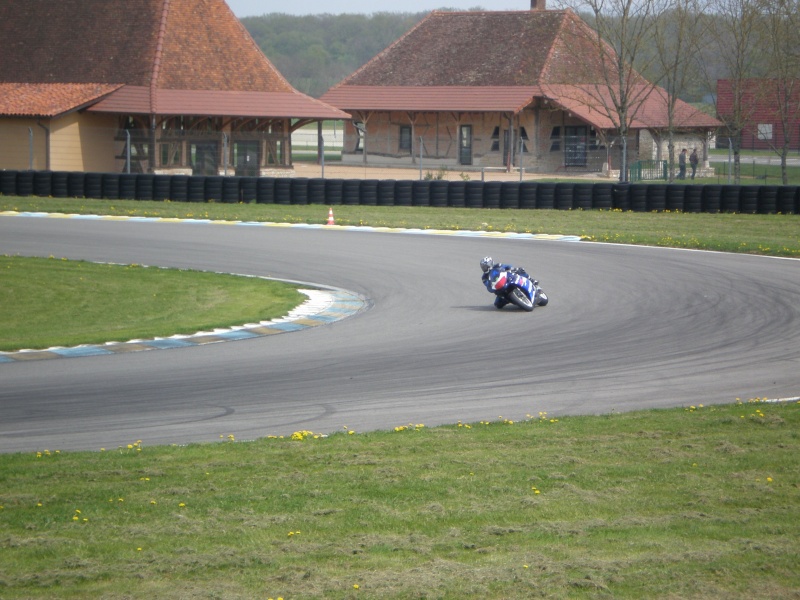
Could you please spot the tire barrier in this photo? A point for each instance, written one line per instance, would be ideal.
(61, 185)
(386, 195)
(638, 193)
(509, 195)
(93, 185)
(316, 190)
(248, 189)
(621, 196)
(8, 183)
(265, 190)
(438, 193)
(675, 197)
(693, 198)
(25, 183)
(42, 183)
(491, 194)
(712, 198)
(582, 196)
(565, 196)
(730, 198)
(144, 187)
(127, 187)
(473, 194)
(457, 194)
(283, 190)
(638, 197)
(333, 191)
(421, 193)
(602, 198)
(748, 199)
(299, 190)
(656, 197)
(212, 189)
(179, 188)
(369, 192)
(789, 199)
(768, 200)
(527, 194)
(403, 192)
(110, 186)
(196, 188)
(351, 192)
(161, 188)
(546, 195)
(75, 184)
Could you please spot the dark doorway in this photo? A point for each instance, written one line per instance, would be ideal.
(245, 158)
(575, 141)
(465, 145)
(205, 158)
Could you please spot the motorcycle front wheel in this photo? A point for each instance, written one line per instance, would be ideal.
(518, 297)
(542, 301)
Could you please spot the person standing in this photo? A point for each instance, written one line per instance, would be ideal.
(693, 160)
(682, 164)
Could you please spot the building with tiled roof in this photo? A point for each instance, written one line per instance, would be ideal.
(169, 86)
(500, 89)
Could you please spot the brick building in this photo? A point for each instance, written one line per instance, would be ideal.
(499, 89)
(769, 111)
(167, 86)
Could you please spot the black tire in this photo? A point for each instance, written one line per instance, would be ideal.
(517, 296)
(457, 194)
(542, 300)
(60, 186)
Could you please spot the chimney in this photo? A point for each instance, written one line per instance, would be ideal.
(538, 5)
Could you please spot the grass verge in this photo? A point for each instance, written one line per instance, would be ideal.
(777, 235)
(697, 502)
(56, 302)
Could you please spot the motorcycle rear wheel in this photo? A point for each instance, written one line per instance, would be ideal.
(518, 297)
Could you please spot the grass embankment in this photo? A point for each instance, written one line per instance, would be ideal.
(52, 302)
(699, 502)
(777, 235)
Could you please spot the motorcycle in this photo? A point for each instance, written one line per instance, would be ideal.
(517, 288)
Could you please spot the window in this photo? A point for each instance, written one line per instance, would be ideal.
(496, 140)
(405, 138)
(170, 154)
(523, 135)
(555, 140)
(764, 131)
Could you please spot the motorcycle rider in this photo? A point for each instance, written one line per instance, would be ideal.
(487, 265)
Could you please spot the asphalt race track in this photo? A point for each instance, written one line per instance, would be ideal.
(626, 328)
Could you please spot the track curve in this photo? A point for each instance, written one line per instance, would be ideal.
(626, 328)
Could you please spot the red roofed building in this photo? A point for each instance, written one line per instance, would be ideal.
(178, 82)
(500, 89)
(766, 110)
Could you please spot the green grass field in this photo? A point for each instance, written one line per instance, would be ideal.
(696, 502)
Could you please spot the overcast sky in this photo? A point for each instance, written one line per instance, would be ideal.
(256, 8)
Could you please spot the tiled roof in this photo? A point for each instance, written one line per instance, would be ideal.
(477, 49)
(432, 98)
(49, 99)
(136, 100)
(500, 62)
(648, 107)
(152, 45)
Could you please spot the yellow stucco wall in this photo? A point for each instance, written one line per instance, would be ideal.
(77, 142)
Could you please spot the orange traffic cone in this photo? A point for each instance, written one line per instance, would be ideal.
(330, 216)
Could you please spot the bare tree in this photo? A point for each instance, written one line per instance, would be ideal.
(677, 34)
(781, 38)
(734, 35)
(621, 32)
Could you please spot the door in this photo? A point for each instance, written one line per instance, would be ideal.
(245, 158)
(575, 141)
(465, 145)
(205, 158)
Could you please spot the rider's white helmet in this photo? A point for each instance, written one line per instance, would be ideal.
(486, 263)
